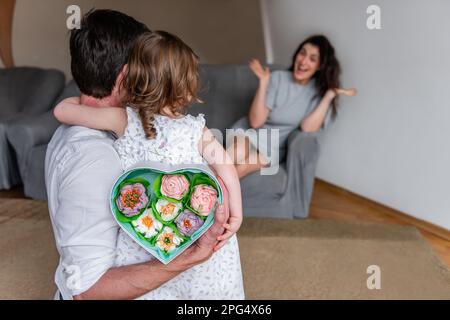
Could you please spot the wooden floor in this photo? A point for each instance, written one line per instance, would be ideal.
(331, 202)
(13, 193)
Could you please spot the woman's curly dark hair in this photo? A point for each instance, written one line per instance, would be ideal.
(327, 76)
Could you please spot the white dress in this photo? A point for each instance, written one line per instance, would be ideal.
(177, 143)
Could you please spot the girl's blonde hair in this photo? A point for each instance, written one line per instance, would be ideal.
(162, 72)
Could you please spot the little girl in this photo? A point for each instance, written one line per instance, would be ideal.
(159, 82)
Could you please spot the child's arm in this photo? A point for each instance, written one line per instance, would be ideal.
(213, 152)
(71, 112)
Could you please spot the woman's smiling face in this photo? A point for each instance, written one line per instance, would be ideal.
(307, 63)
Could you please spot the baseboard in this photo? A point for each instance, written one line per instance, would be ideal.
(421, 224)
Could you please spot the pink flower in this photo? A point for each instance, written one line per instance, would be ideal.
(174, 186)
(203, 199)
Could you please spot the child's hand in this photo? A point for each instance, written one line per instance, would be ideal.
(231, 227)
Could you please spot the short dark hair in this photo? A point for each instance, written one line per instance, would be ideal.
(100, 49)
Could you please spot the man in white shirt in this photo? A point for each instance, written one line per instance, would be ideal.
(81, 166)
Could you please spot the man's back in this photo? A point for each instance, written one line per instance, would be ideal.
(80, 168)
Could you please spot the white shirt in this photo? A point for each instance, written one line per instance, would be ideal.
(81, 166)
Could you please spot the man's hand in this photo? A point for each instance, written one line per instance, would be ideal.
(202, 249)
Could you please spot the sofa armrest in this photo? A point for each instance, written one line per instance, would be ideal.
(29, 90)
(301, 162)
(29, 132)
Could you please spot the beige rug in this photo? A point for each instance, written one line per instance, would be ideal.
(281, 259)
(320, 259)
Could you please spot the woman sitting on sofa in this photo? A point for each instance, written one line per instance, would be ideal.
(303, 97)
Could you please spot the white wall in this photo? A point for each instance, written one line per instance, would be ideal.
(219, 31)
(391, 143)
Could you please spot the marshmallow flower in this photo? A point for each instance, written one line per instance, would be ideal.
(168, 210)
(168, 240)
(203, 199)
(131, 199)
(147, 225)
(174, 186)
(188, 222)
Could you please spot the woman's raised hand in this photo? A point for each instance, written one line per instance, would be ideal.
(346, 92)
(263, 74)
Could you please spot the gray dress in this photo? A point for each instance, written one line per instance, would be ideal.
(289, 103)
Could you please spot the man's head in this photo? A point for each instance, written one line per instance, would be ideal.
(100, 49)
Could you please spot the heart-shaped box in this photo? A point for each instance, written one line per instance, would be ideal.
(149, 226)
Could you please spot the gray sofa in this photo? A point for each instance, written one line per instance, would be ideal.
(29, 138)
(25, 92)
(227, 92)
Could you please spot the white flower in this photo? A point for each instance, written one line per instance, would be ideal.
(168, 210)
(168, 240)
(147, 224)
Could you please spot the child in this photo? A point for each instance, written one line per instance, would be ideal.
(159, 82)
